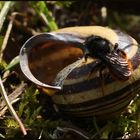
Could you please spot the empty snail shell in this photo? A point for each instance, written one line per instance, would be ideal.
(53, 61)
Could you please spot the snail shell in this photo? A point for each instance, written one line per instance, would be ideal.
(43, 56)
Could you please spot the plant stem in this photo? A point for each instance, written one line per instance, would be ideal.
(4, 11)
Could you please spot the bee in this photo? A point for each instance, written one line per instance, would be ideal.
(110, 56)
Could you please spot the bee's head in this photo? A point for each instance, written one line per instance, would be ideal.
(96, 46)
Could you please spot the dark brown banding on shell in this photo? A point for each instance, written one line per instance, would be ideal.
(108, 110)
(99, 117)
(101, 107)
(85, 85)
(133, 86)
(100, 110)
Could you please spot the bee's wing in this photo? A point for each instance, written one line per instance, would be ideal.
(119, 66)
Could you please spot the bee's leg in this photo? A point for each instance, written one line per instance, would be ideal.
(90, 73)
(116, 46)
(94, 69)
(102, 78)
(85, 58)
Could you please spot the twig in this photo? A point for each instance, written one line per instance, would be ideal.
(2, 112)
(10, 107)
(4, 11)
(18, 91)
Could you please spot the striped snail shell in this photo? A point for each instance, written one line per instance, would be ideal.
(49, 56)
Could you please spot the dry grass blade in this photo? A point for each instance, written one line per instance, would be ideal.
(10, 107)
(17, 92)
(2, 112)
